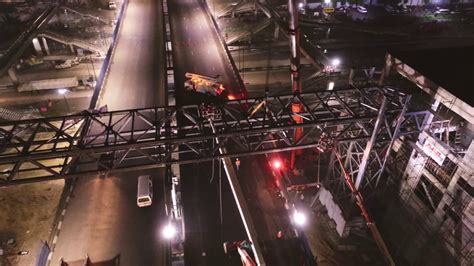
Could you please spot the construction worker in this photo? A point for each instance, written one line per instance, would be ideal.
(237, 163)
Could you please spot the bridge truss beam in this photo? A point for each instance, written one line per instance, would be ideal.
(90, 143)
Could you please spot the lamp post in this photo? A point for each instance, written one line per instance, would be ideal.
(63, 93)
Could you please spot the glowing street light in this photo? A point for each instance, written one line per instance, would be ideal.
(63, 93)
(299, 218)
(327, 2)
(336, 62)
(169, 231)
(300, 5)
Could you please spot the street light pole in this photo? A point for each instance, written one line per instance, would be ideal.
(67, 105)
(63, 92)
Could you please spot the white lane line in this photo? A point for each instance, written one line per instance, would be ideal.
(192, 53)
(60, 224)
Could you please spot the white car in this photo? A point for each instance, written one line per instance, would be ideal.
(112, 5)
(440, 10)
(361, 9)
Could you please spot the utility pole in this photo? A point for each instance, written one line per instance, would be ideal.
(296, 106)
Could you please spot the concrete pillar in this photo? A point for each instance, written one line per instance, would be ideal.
(45, 45)
(276, 32)
(37, 47)
(72, 48)
(12, 75)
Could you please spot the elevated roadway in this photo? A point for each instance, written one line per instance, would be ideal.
(23, 41)
(102, 218)
(197, 48)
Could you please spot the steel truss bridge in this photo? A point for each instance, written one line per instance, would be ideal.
(364, 123)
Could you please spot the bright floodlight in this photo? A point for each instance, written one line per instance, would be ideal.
(276, 164)
(327, 1)
(330, 85)
(300, 5)
(299, 218)
(169, 231)
(62, 91)
(336, 62)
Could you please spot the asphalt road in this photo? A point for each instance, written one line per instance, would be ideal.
(136, 77)
(197, 49)
(102, 218)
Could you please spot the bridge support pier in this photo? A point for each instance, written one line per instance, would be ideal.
(13, 76)
(276, 32)
(37, 46)
(45, 45)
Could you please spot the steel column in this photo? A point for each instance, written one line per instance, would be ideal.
(370, 144)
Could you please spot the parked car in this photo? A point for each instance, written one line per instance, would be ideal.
(440, 10)
(112, 5)
(390, 9)
(361, 9)
(402, 9)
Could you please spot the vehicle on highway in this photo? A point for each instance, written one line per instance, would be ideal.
(203, 84)
(361, 9)
(67, 63)
(112, 5)
(144, 191)
(72, 83)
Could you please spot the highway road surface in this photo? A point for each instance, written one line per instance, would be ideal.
(197, 49)
(102, 219)
(136, 78)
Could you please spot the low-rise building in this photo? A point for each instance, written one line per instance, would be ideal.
(438, 179)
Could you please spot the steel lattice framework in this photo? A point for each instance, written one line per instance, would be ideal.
(88, 143)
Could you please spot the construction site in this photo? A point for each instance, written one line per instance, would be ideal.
(346, 138)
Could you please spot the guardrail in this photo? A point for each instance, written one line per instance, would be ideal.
(106, 65)
(226, 49)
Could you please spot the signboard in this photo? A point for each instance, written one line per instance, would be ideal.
(435, 154)
(328, 10)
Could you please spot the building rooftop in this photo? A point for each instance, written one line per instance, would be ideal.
(450, 68)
